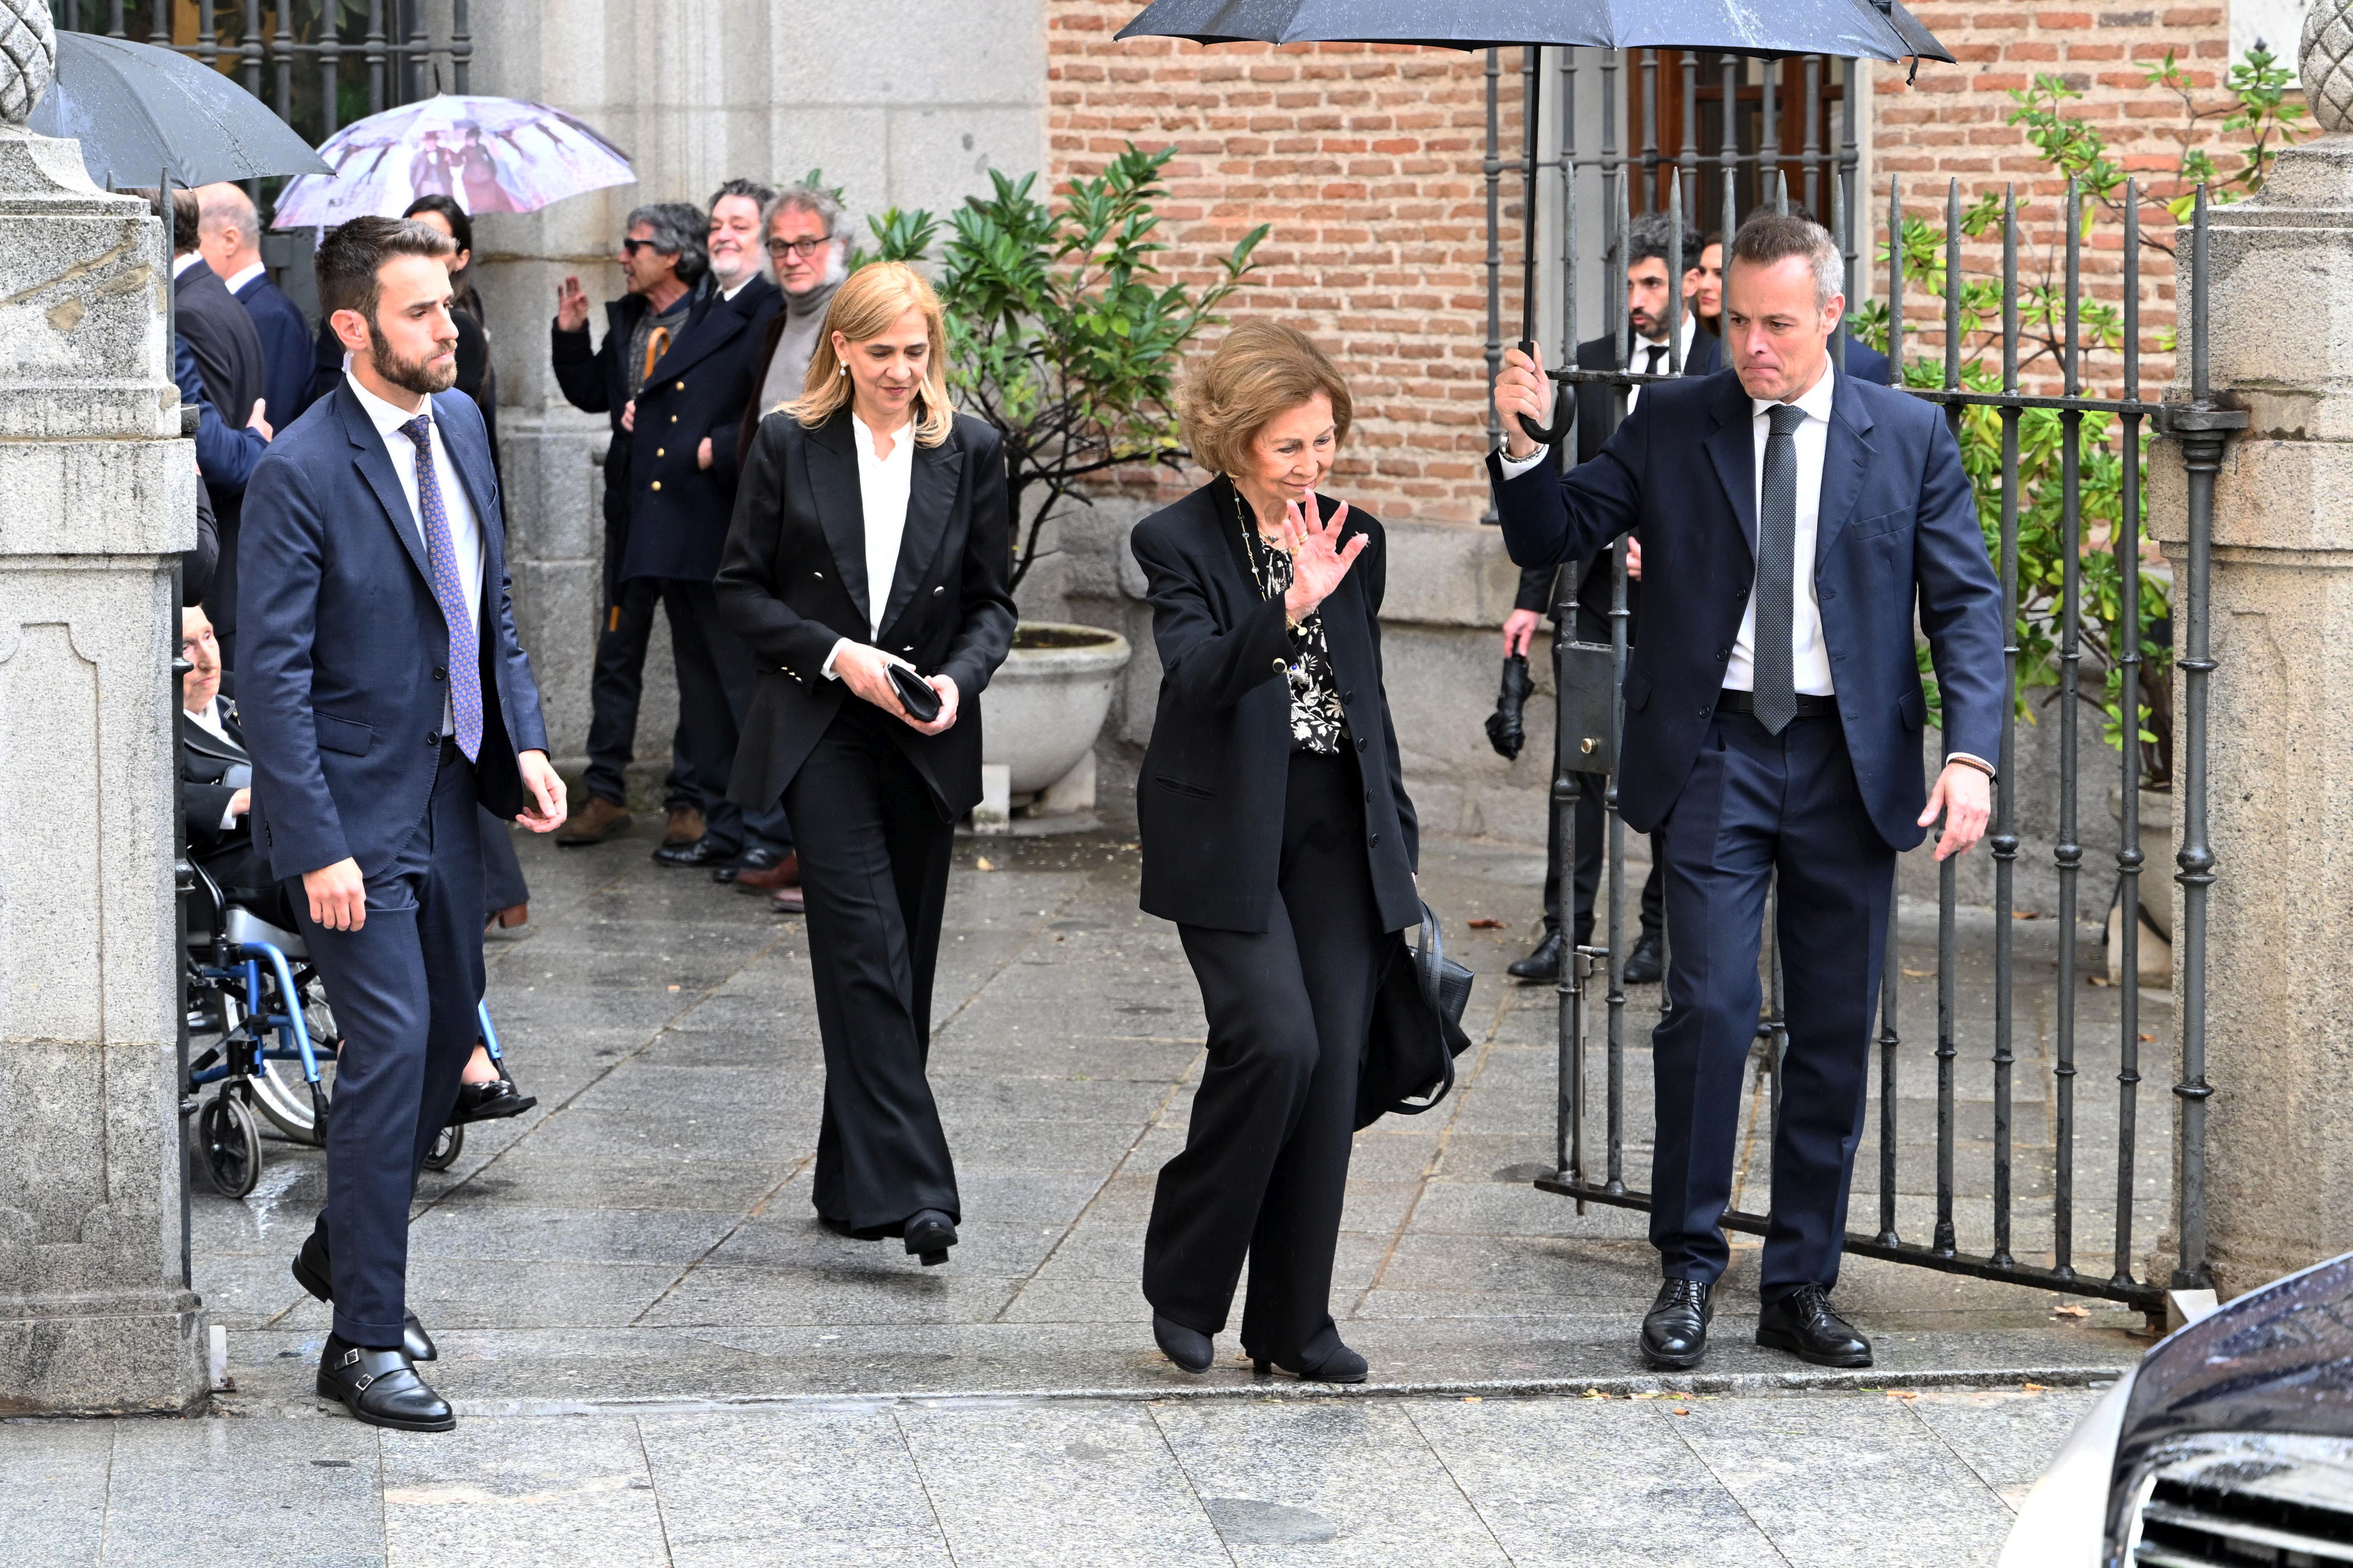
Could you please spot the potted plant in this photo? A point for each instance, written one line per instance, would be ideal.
(1065, 336)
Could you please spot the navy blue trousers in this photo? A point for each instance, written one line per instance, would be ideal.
(1756, 805)
(404, 988)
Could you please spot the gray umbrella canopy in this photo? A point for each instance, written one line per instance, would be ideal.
(1855, 28)
(139, 111)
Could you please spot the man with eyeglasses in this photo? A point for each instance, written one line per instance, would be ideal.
(808, 245)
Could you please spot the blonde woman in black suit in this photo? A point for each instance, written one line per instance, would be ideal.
(1277, 835)
(870, 532)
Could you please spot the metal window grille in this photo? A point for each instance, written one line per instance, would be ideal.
(1696, 134)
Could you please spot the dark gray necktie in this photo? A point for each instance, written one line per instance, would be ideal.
(1776, 549)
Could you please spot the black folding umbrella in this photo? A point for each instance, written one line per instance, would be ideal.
(1873, 29)
(139, 110)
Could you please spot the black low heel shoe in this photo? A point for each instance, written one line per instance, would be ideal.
(1343, 1365)
(381, 1388)
(929, 1234)
(310, 1273)
(1191, 1349)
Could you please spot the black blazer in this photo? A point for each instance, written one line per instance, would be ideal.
(676, 511)
(204, 761)
(1210, 800)
(226, 346)
(793, 581)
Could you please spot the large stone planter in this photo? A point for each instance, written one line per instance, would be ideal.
(1042, 712)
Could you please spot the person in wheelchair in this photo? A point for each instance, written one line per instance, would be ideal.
(217, 799)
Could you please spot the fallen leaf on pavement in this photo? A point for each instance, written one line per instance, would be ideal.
(2071, 1311)
(982, 863)
(1903, 1394)
(1486, 925)
(2033, 1388)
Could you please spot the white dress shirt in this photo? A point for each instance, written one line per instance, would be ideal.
(1810, 656)
(1640, 360)
(746, 282)
(882, 487)
(180, 264)
(465, 529)
(243, 276)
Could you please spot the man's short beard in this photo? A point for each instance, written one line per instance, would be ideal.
(409, 376)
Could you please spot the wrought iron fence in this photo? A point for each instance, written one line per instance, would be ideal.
(1747, 172)
(320, 64)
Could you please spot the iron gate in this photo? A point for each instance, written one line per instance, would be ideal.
(1651, 177)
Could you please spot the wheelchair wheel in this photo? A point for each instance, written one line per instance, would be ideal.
(228, 1145)
(447, 1144)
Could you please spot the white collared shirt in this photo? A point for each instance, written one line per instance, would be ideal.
(243, 276)
(180, 264)
(883, 484)
(1640, 360)
(746, 283)
(1810, 656)
(465, 529)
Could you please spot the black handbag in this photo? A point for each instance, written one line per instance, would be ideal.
(1416, 1028)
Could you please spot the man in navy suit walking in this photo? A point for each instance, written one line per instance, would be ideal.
(1793, 520)
(384, 694)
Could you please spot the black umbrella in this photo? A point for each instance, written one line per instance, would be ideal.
(1875, 29)
(139, 110)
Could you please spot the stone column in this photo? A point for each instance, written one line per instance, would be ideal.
(2279, 966)
(97, 497)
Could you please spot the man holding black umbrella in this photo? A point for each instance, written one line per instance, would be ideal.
(1798, 523)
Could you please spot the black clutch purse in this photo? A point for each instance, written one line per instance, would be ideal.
(1416, 1028)
(915, 694)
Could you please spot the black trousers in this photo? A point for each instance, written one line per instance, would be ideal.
(1265, 1162)
(1758, 806)
(715, 677)
(875, 869)
(403, 987)
(613, 691)
(1592, 829)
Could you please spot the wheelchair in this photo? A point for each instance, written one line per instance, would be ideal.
(253, 996)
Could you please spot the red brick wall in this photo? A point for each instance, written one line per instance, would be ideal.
(1367, 162)
(1951, 124)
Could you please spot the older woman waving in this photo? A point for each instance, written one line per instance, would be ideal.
(1277, 835)
(866, 568)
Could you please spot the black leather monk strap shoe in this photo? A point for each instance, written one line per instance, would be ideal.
(1675, 1330)
(1803, 1323)
(381, 1388)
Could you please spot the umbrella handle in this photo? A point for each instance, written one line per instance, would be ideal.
(1564, 409)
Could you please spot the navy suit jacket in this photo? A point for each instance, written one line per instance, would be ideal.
(343, 653)
(1898, 535)
(285, 348)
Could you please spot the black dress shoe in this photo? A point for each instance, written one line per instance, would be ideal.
(379, 1388)
(1803, 1323)
(702, 852)
(1642, 965)
(490, 1101)
(759, 858)
(1544, 963)
(311, 1272)
(929, 1234)
(1189, 1348)
(1340, 1365)
(1675, 1330)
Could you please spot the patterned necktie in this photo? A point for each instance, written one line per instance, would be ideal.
(441, 566)
(1776, 548)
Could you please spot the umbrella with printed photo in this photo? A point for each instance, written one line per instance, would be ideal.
(490, 155)
(1872, 29)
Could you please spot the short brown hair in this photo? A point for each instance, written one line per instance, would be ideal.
(350, 260)
(1769, 238)
(1263, 370)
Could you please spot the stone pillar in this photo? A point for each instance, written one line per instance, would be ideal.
(97, 497)
(2279, 967)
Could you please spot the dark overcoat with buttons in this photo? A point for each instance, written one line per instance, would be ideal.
(793, 581)
(1209, 801)
(674, 511)
(1897, 545)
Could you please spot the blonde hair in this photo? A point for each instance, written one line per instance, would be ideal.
(1261, 371)
(868, 304)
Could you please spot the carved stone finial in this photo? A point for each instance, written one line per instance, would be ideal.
(28, 57)
(2324, 62)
